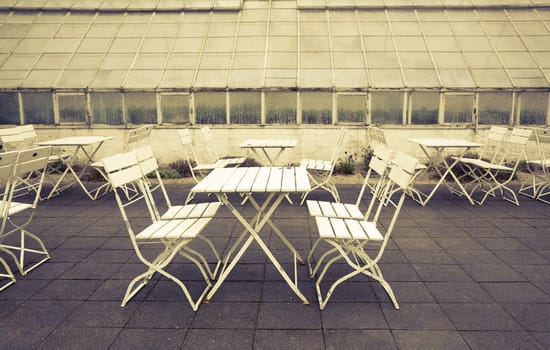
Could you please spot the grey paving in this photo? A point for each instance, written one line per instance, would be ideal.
(466, 277)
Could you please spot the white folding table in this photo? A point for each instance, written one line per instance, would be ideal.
(265, 144)
(276, 182)
(88, 147)
(434, 149)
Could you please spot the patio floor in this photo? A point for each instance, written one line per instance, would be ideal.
(466, 277)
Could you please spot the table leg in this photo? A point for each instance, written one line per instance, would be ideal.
(254, 235)
(278, 232)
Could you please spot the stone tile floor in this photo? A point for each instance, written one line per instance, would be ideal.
(466, 277)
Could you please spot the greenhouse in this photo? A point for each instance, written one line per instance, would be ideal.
(299, 63)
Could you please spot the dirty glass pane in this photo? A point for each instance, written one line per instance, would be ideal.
(494, 107)
(458, 108)
(38, 107)
(72, 108)
(316, 107)
(106, 108)
(141, 107)
(352, 108)
(175, 108)
(424, 107)
(280, 107)
(387, 108)
(210, 108)
(9, 108)
(533, 108)
(246, 107)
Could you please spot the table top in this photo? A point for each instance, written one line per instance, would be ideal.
(75, 141)
(444, 142)
(254, 179)
(268, 143)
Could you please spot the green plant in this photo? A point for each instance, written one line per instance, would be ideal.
(169, 174)
(346, 164)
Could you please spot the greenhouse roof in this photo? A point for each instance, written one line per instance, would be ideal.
(344, 44)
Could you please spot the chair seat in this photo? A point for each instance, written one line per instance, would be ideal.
(173, 229)
(231, 161)
(205, 210)
(17, 207)
(316, 164)
(334, 210)
(486, 165)
(338, 228)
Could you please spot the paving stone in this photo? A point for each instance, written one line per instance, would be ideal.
(38, 313)
(285, 316)
(81, 338)
(353, 316)
(416, 316)
(441, 273)
(516, 292)
(101, 314)
(289, 339)
(359, 339)
(460, 292)
(511, 340)
(149, 339)
(493, 273)
(227, 315)
(206, 339)
(533, 317)
(480, 316)
(23, 337)
(424, 340)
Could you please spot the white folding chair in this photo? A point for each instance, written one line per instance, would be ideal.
(320, 171)
(137, 137)
(55, 160)
(491, 150)
(149, 167)
(8, 161)
(537, 184)
(378, 164)
(347, 238)
(211, 150)
(14, 235)
(173, 236)
(490, 176)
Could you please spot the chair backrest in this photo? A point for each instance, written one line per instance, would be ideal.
(398, 181)
(13, 142)
(7, 164)
(338, 146)
(189, 153)
(149, 165)
(542, 137)
(31, 161)
(207, 135)
(494, 144)
(516, 145)
(138, 136)
(28, 134)
(7, 132)
(376, 136)
(381, 156)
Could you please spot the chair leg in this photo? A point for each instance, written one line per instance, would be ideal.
(8, 274)
(19, 252)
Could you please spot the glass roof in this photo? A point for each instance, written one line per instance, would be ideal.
(282, 46)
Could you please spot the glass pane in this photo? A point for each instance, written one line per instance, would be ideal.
(280, 107)
(387, 108)
(352, 108)
(175, 108)
(246, 107)
(458, 108)
(494, 107)
(533, 108)
(316, 107)
(9, 108)
(72, 108)
(106, 108)
(141, 107)
(38, 107)
(210, 107)
(424, 107)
